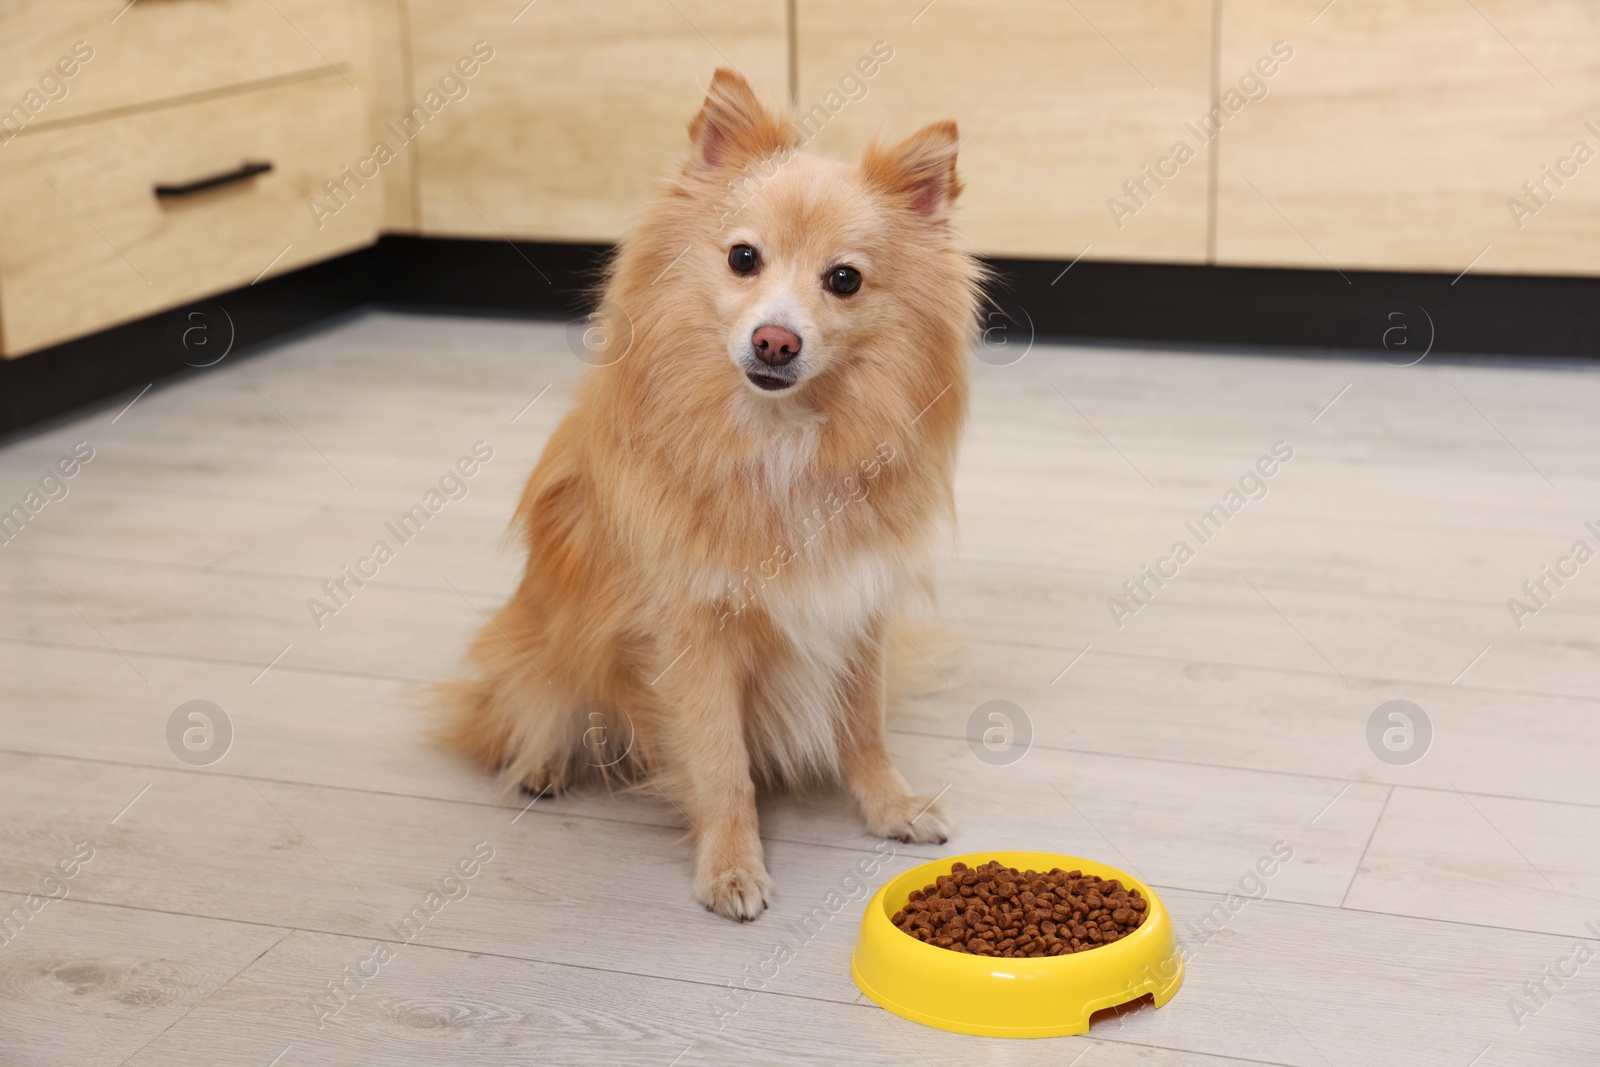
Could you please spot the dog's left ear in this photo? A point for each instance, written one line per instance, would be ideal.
(733, 128)
(921, 170)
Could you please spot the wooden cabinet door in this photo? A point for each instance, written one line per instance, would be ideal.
(581, 110)
(1401, 134)
(1059, 103)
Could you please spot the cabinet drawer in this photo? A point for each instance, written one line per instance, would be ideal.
(86, 243)
(157, 49)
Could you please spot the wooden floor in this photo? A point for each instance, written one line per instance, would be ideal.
(1227, 716)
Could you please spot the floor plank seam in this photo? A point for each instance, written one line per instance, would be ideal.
(1242, 769)
(484, 804)
(368, 791)
(1376, 681)
(235, 572)
(199, 1003)
(1225, 574)
(469, 952)
(189, 657)
(1107, 576)
(1376, 823)
(1559, 939)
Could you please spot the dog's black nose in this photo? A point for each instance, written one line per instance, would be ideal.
(774, 345)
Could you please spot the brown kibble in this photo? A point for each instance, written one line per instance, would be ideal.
(994, 910)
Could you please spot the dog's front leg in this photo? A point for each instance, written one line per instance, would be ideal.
(708, 776)
(886, 800)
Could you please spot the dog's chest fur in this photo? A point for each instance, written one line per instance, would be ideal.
(822, 619)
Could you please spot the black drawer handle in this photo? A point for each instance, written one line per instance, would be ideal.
(245, 171)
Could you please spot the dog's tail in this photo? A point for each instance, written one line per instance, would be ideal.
(922, 656)
(461, 716)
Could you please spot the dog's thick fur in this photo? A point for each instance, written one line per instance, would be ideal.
(722, 563)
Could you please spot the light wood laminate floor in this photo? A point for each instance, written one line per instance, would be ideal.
(1229, 714)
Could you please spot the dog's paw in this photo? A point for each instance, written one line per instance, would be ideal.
(738, 893)
(545, 781)
(914, 820)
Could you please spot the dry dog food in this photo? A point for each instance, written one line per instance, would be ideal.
(994, 910)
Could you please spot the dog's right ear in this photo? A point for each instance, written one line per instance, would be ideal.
(919, 171)
(733, 128)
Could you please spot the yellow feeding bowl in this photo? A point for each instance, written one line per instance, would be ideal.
(992, 996)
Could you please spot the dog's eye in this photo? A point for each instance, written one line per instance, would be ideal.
(844, 280)
(743, 259)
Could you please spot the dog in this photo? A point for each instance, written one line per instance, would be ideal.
(724, 530)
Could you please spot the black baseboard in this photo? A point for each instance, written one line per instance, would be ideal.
(423, 273)
(1391, 316)
(45, 384)
(1396, 317)
(470, 275)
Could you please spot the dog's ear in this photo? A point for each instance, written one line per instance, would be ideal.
(733, 128)
(921, 170)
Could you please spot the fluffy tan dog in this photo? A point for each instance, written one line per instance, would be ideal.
(721, 532)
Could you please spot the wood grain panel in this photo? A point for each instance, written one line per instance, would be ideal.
(1401, 132)
(570, 125)
(87, 985)
(436, 1006)
(385, 78)
(1058, 105)
(155, 49)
